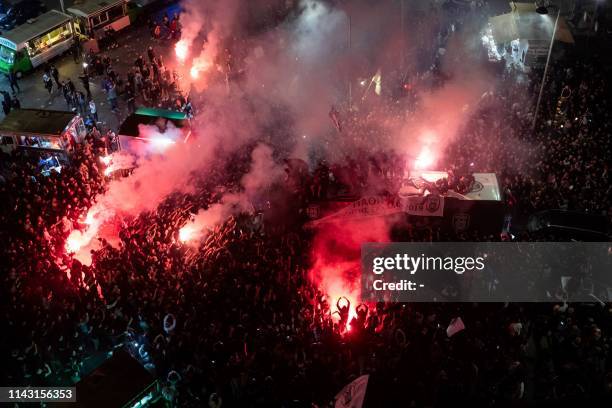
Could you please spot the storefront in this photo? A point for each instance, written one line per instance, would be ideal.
(36, 42)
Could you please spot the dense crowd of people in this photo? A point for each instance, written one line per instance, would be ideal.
(237, 319)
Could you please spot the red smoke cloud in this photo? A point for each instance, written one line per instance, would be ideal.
(336, 256)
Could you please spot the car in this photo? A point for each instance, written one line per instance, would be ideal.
(18, 13)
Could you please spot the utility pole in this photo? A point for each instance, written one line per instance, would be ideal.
(552, 41)
(350, 84)
(402, 43)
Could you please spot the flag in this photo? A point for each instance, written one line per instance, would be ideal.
(335, 117)
(353, 394)
(455, 326)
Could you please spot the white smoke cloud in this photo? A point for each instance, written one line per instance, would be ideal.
(299, 68)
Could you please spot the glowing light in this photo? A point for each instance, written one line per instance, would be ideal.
(106, 159)
(162, 143)
(186, 233)
(89, 219)
(79, 239)
(74, 242)
(194, 72)
(425, 159)
(181, 50)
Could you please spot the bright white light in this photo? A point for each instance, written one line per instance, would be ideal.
(85, 65)
(195, 72)
(162, 143)
(105, 159)
(424, 159)
(186, 233)
(181, 49)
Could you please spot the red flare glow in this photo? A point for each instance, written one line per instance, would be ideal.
(194, 72)
(187, 233)
(74, 242)
(105, 159)
(181, 50)
(425, 159)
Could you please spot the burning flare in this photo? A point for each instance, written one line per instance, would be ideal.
(194, 72)
(79, 239)
(181, 49)
(425, 159)
(187, 233)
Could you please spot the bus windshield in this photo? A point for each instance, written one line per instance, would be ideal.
(7, 55)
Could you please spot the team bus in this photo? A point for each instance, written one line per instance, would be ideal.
(93, 17)
(42, 134)
(151, 131)
(35, 42)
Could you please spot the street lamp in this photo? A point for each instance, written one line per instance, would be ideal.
(543, 10)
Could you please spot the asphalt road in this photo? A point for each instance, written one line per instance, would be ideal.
(133, 41)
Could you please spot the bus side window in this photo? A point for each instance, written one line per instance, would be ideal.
(7, 140)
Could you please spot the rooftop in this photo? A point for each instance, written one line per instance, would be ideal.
(36, 26)
(89, 7)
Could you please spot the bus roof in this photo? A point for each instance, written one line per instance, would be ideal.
(92, 7)
(34, 28)
(161, 113)
(150, 116)
(36, 121)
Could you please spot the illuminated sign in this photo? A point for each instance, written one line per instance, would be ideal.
(8, 44)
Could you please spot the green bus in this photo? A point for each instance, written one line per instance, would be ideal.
(35, 42)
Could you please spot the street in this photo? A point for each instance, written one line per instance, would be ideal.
(133, 41)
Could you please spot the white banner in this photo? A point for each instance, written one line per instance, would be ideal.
(371, 206)
(353, 394)
(375, 206)
(424, 206)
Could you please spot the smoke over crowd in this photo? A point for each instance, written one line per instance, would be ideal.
(293, 74)
(223, 251)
